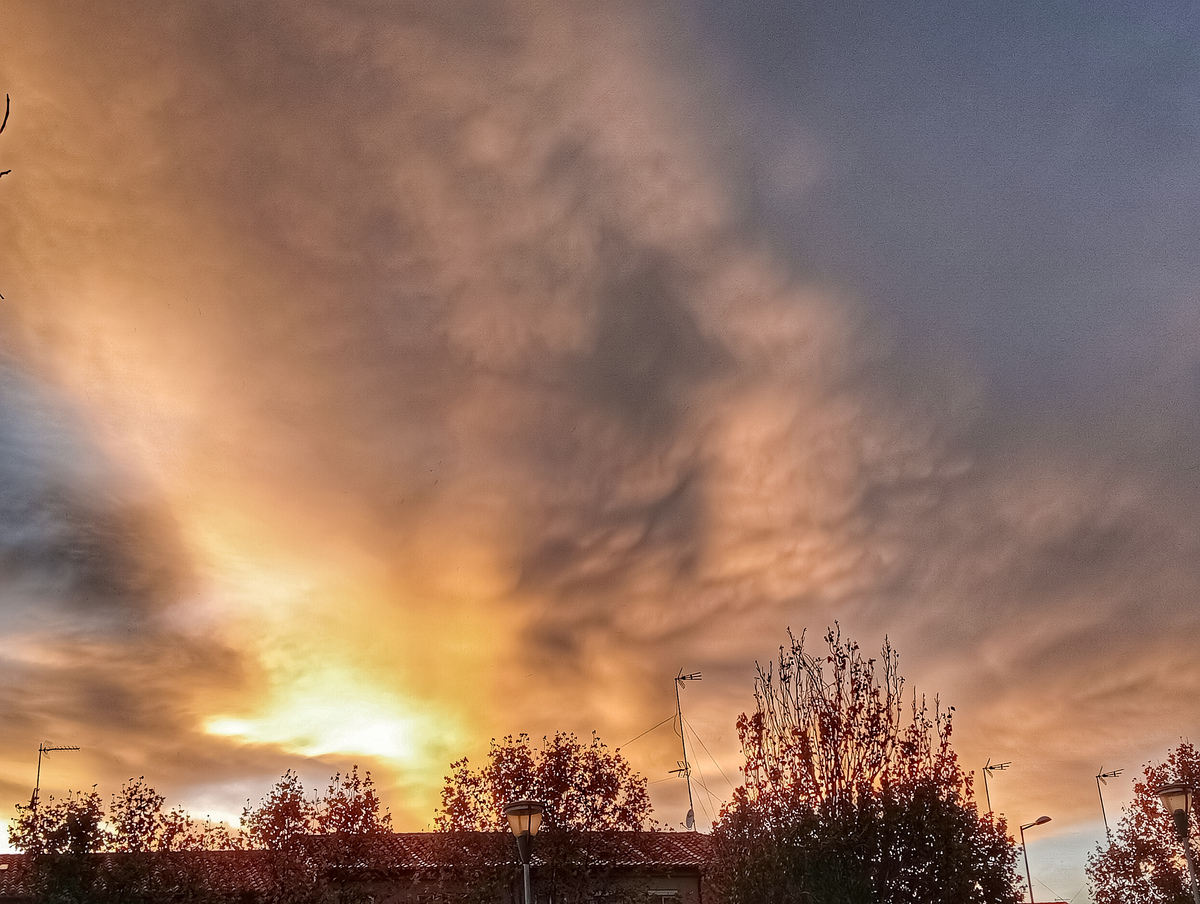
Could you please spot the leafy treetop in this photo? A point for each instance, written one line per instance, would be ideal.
(847, 799)
(584, 787)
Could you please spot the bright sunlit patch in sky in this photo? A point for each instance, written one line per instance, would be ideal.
(340, 719)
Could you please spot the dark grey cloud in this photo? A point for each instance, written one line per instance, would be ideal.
(76, 534)
(648, 352)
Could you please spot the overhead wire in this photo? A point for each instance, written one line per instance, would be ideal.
(712, 798)
(670, 718)
(696, 735)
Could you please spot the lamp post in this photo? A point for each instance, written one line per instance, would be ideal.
(1178, 801)
(1040, 821)
(525, 818)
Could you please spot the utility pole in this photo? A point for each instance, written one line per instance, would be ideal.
(685, 768)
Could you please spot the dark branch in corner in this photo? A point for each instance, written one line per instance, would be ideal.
(2, 125)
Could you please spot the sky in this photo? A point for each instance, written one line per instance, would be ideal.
(379, 378)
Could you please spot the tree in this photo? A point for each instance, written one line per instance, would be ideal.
(351, 806)
(282, 818)
(137, 834)
(138, 824)
(72, 825)
(308, 869)
(589, 792)
(1142, 862)
(847, 799)
(583, 787)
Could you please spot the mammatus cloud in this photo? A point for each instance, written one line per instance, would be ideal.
(385, 377)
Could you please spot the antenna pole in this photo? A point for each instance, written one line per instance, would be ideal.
(986, 792)
(1100, 780)
(690, 822)
(989, 766)
(43, 748)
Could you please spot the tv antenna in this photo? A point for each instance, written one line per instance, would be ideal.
(989, 766)
(43, 749)
(1100, 780)
(684, 768)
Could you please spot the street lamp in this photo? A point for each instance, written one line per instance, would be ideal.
(1040, 821)
(525, 818)
(1178, 801)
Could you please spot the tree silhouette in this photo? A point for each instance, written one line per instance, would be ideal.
(1142, 863)
(847, 799)
(70, 825)
(584, 787)
(351, 806)
(140, 841)
(590, 793)
(282, 818)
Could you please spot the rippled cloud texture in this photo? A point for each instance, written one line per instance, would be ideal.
(382, 377)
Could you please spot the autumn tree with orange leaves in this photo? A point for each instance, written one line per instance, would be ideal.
(584, 787)
(853, 795)
(1142, 862)
(590, 793)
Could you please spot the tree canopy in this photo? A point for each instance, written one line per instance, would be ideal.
(350, 806)
(589, 791)
(851, 795)
(136, 824)
(1142, 862)
(584, 787)
(60, 833)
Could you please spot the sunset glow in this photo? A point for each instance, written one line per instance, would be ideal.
(380, 379)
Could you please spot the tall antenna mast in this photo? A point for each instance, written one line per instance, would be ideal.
(43, 748)
(990, 767)
(684, 767)
(1100, 780)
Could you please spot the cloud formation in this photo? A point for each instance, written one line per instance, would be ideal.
(383, 377)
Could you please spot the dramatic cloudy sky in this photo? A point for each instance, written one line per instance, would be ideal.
(377, 378)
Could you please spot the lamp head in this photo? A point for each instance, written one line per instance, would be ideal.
(525, 816)
(1177, 799)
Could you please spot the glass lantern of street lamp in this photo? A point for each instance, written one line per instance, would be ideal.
(1177, 799)
(525, 818)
